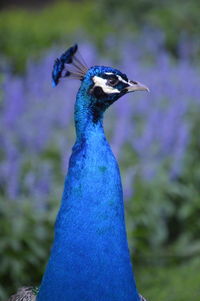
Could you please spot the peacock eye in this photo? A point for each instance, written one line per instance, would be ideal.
(112, 81)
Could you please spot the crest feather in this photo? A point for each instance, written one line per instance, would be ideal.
(70, 64)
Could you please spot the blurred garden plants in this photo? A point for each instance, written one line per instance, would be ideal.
(155, 138)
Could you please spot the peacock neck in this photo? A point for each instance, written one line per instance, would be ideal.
(90, 259)
(88, 119)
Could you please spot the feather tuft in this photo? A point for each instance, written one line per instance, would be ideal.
(61, 68)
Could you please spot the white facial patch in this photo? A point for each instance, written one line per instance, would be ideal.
(101, 82)
(118, 76)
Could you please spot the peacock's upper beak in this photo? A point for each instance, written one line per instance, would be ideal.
(136, 86)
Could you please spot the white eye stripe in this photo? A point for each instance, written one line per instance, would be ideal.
(118, 76)
(101, 82)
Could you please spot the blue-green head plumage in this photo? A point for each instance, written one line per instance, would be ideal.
(100, 85)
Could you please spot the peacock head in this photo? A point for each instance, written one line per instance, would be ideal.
(103, 85)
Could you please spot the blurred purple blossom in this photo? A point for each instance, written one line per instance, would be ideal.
(37, 133)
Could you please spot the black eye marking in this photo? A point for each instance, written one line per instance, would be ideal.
(112, 80)
(98, 92)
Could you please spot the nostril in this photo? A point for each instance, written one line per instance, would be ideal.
(133, 82)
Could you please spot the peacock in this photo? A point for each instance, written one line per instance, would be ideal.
(89, 259)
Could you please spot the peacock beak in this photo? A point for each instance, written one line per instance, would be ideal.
(136, 86)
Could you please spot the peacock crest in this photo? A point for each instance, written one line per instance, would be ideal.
(70, 64)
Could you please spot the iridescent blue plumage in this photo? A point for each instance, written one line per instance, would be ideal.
(67, 56)
(57, 70)
(90, 259)
(59, 65)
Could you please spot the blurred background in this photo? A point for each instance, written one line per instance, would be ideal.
(155, 136)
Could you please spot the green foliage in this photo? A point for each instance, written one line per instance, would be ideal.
(26, 235)
(170, 283)
(24, 34)
(174, 18)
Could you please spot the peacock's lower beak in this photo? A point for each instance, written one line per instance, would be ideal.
(136, 86)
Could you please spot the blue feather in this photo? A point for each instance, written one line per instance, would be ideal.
(59, 65)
